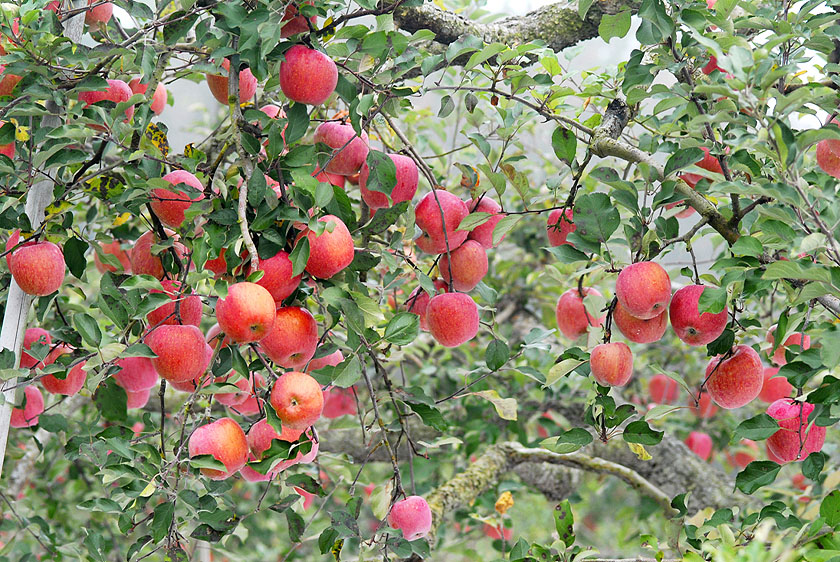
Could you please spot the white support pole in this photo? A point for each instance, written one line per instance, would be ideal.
(38, 197)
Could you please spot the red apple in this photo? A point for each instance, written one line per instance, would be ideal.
(412, 516)
(180, 350)
(643, 289)
(189, 309)
(797, 338)
(158, 98)
(117, 92)
(663, 390)
(572, 317)
(774, 387)
(736, 380)
(745, 453)
(483, 233)
(136, 374)
(113, 248)
(418, 301)
(247, 313)
(277, 276)
(705, 408)
(611, 364)
(217, 265)
(331, 251)
(560, 224)
(307, 76)
(339, 402)
(168, 205)
(795, 440)
(690, 326)
(468, 266)
(439, 223)
(138, 399)
(33, 335)
(223, 439)
(330, 360)
(218, 84)
(99, 14)
(493, 532)
(37, 267)
(452, 318)
(349, 149)
(293, 23)
(70, 385)
(404, 190)
(32, 408)
(293, 340)
(700, 443)
(333, 179)
(297, 399)
(638, 330)
(144, 262)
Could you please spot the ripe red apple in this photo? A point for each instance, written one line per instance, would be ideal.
(277, 276)
(199, 380)
(247, 313)
(262, 434)
(297, 399)
(293, 23)
(246, 386)
(795, 440)
(663, 390)
(418, 301)
(798, 481)
(114, 249)
(100, 14)
(293, 340)
(483, 233)
(638, 330)
(434, 223)
(8, 81)
(559, 225)
(138, 399)
(158, 98)
(711, 66)
(333, 179)
(331, 251)
(771, 455)
(144, 262)
(797, 338)
(223, 439)
(407, 179)
(31, 336)
(745, 453)
(37, 267)
(307, 76)
(412, 516)
(218, 84)
(168, 205)
(643, 289)
(252, 404)
(330, 360)
(611, 364)
(690, 326)
(493, 532)
(339, 402)
(189, 310)
(452, 318)
(349, 149)
(217, 265)
(70, 385)
(572, 317)
(136, 374)
(468, 265)
(33, 406)
(735, 381)
(774, 387)
(700, 443)
(117, 92)
(180, 350)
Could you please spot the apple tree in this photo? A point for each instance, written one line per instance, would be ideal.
(426, 283)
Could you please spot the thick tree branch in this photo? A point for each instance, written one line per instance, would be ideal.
(558, 24)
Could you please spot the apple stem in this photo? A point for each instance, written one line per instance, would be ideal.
(608, 322)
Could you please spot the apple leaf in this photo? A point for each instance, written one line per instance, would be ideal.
(830, 508)
(614, 25)
(111, 400)
(640, 432)
(496, 355)
(564, 143)
(163, 515)
(756, 475)
(682, 158)
(74, 256)
(382, 173)
(568, 441)
(564, 521)
(757, 428)
(596, 217)
(505, 407)
(403, 328)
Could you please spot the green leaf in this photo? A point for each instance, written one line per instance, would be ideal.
(712, 300)
(640, 432)
(74, 256)
(830, 508)
(561, 369)
(296, 525)
(682, 158)
(431, 416)
(747, 246)
(504, 226)
(53, 423)
(347, 372)
(722, 344)
(596, 217)
(298, 122)
(385, 218)
(446, 107)
(256, 188)
(88, 329)
(496, 355)
(382, 173)
(564, 521)
(163, 516)
(614, 25)
(583, 8)
(564, 143)
(327, 540)
(403, 328)
(812, 466)
(756, 428)
(111, 400)
(300, 255)
(207, 461)
(179, 24)
(756, 475)
(505, 407)
(489, 51)
(568, 441)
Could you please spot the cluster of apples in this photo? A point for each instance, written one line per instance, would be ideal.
(644, 305)
(450, 315)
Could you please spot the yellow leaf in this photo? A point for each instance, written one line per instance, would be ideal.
(640, 451)
(504, 502)
(21, 132)
(57, 208)
(121, 220)
(505, 407)
(149, 489)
